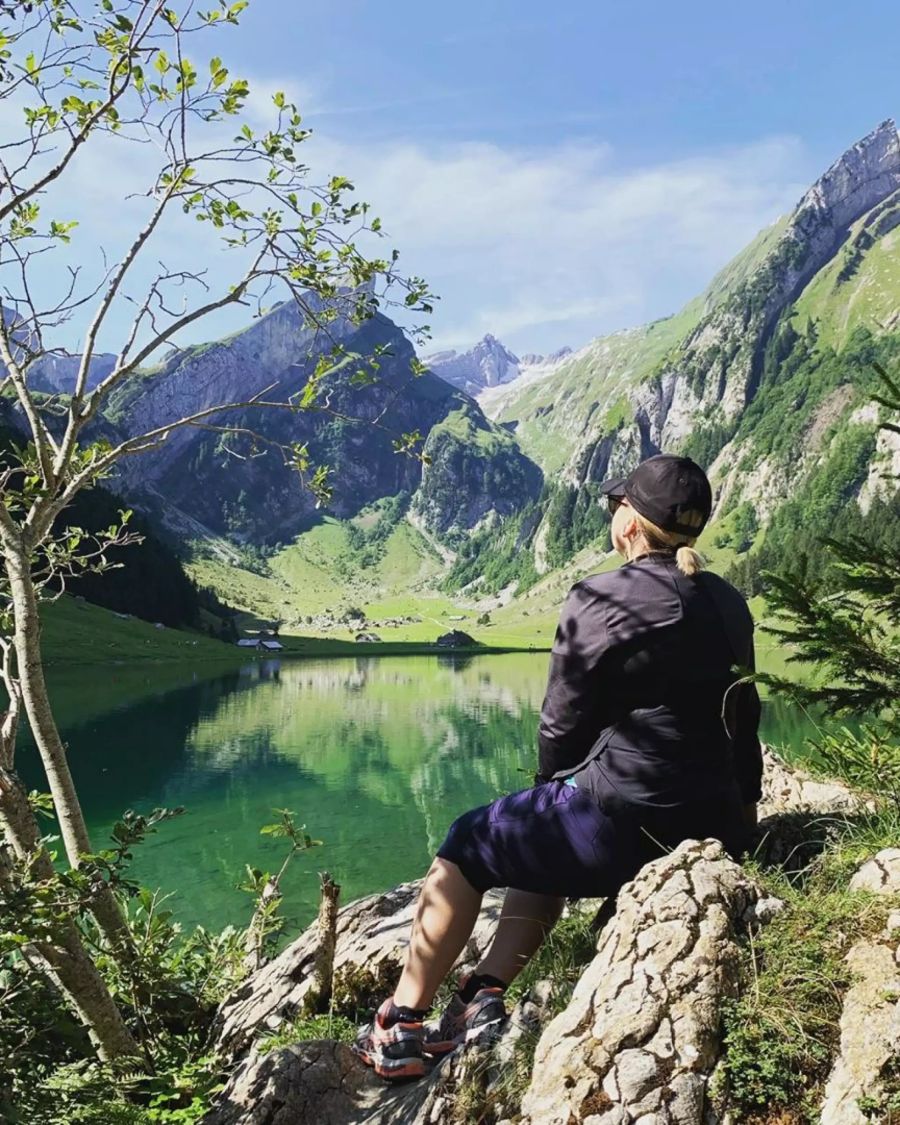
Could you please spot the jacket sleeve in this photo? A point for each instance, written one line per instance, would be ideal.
(569, 716)
(745, 744)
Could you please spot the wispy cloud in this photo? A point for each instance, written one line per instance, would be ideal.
(560, 243)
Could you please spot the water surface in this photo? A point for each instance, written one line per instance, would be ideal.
(376, 755)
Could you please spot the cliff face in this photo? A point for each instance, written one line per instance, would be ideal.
(715, 371)
(244, 487)
(475, 470)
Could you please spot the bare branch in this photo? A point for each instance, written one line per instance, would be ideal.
(108, 298)
(9, 720)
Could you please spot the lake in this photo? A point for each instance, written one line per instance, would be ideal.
(376, 755)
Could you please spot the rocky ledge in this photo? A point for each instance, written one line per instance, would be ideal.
(638, 1041)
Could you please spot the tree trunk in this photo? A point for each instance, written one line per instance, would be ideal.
(27, 642)
(67, 962)
(327, 938)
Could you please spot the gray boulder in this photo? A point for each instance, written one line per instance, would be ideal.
(639, 1039)
(323, 1083)
(789, 789)
(456, 638)
(880, 874)
(318, 1082)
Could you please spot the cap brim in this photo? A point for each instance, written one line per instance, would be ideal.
(613, 487)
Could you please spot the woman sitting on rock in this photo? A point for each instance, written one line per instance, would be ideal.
(645, 739)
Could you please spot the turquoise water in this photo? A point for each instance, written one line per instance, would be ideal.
(375, 755)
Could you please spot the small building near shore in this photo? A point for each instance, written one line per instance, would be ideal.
(260, 645)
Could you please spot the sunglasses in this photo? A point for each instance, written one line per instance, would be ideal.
(614, 503)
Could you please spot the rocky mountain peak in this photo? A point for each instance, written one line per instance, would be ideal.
(534, 359)
(488, 364)
(865, 174)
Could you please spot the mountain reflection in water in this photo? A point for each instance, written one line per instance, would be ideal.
(376, 755)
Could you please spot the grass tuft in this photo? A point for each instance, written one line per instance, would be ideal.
(781, 1034)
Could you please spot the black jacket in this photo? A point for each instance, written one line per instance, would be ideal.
(642, 704)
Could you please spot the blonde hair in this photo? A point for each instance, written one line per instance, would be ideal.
(687, 559)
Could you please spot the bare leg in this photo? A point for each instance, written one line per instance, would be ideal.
(446, 915)
(524, 922)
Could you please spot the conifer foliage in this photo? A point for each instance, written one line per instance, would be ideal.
(850, 633)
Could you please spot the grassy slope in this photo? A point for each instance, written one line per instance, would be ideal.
(553, 412)
(743, 265)
(77, 632)
(871, 297)
(307, 578)
(319, 574)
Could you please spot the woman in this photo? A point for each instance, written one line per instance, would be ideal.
(646, 739)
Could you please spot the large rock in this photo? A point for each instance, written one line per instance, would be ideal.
(880, 874)
(372, 934)
(639, 1039)
(790, 789)
(318, 1082)
(870, 1023)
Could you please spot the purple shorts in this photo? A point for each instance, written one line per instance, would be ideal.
(553, 839)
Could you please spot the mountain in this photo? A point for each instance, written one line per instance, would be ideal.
(649, 388)
(475, 471)
(488, 364)
(244, 487)
(766, 377)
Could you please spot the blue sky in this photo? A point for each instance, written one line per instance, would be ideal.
(561, 171)
(748, 101)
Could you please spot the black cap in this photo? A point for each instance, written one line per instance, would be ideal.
(664, 487)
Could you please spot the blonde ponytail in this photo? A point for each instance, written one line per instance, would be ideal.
(687, 559)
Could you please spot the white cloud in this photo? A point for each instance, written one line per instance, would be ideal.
(561, 243)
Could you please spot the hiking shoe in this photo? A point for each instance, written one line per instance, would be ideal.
(464, 1023)
(394, 1052)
